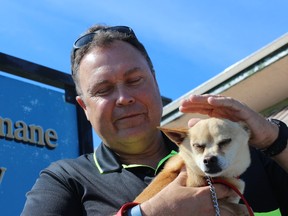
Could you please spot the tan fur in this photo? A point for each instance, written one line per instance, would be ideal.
(220, 144)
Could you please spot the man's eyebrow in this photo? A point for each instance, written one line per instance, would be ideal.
(132, 70)
(95, 84)
(103, 81)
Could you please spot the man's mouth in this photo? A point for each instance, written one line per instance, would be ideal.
(128, 116)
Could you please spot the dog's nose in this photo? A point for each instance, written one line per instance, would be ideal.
(210, 161)
(212, 165)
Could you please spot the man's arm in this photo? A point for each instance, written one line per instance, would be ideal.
(51, 196)
(282, 159)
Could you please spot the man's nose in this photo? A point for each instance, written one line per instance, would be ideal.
(124, 97)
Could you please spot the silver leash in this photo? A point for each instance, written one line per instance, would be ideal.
(213, 195)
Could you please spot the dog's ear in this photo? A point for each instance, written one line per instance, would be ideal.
(175, 135)
(245, 127)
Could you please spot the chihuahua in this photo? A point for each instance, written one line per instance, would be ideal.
(213, 147)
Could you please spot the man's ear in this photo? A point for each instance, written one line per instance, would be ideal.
(175, 135)
(82, 104)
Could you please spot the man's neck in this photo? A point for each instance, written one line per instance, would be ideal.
(150, 157)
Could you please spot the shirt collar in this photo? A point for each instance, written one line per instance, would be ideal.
(107, 161)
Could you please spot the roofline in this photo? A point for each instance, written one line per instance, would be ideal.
(235, 73)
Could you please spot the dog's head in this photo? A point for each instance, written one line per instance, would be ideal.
(214, 147)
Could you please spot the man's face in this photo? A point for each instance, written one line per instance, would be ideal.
(120, 96)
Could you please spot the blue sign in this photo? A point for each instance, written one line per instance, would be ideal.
(37, 127)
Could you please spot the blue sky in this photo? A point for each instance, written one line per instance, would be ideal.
(189, 41)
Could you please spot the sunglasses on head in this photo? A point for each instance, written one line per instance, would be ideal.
(88, 38)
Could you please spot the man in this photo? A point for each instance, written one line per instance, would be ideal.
(119, 94)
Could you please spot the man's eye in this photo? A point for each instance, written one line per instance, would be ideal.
(103, 91)
(135, 81)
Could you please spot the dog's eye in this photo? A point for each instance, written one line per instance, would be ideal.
(224, 142)
(199, 147)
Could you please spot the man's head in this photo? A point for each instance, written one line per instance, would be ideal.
(101, 36)
(117, 89)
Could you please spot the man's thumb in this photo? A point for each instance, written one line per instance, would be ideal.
(182, 177)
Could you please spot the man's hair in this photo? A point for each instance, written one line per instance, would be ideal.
(103, 39)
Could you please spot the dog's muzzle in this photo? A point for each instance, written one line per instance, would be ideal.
(212, 165)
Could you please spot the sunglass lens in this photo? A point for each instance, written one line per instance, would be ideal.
(85, 39)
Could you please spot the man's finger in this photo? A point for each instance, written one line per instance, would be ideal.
(193, 121)
(182, 177)
(223, 191)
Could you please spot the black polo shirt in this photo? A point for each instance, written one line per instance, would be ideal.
(93, 184)
(98, 184)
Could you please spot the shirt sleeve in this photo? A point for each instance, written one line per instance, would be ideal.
(52, 194)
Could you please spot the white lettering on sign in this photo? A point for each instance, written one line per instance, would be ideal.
(33, 134)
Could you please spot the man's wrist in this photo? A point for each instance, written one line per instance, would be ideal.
(281, 141)
(134, 211)
(123, 211)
